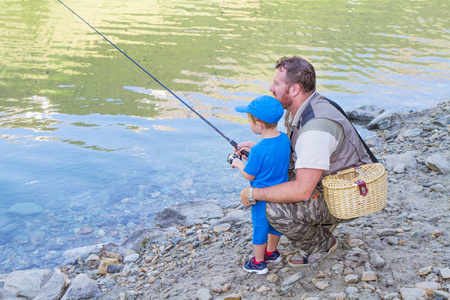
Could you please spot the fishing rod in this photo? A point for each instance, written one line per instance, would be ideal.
(233, 143)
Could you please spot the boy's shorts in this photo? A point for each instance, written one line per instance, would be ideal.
(261, 226)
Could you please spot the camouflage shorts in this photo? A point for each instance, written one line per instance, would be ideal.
(305, 222)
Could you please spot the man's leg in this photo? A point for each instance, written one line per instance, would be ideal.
(301, 222)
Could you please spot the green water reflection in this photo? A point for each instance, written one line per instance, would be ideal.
(212, 53)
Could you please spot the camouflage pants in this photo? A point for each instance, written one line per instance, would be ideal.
(303, 222)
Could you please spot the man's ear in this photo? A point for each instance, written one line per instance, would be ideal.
(295, 89)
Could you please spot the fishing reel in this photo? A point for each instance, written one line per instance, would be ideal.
(231, 157)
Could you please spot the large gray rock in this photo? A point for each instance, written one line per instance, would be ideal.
(382, 121)
(409, 133)
(374, 142)
(442, 122)
(71, 255)
(169, 217)
(376, 260)
(408, 159)
(235, 217)
(82, 287)
(54, 288)
(438, 163)
(365, 113)
(188, 213)
(26, 283)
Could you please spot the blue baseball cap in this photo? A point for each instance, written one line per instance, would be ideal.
(265, 108)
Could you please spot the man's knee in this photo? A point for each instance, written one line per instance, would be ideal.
(279, 213)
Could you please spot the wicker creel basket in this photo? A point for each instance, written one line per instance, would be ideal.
(357, 191)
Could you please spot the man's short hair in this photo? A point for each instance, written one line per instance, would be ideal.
(299, 71)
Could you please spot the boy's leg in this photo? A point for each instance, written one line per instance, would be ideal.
(273, 242)
(272, 255)
(260, 250)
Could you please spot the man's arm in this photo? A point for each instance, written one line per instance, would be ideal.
(288, 192)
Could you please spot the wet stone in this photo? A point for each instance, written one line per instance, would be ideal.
(114, 268)
(26, 208)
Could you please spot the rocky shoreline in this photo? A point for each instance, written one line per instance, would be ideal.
(197, 249)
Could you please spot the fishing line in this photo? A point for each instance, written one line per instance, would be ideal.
(233, 143)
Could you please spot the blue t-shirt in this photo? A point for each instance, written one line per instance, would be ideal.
(269, 161)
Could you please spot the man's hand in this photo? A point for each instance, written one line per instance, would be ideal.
(244, 197)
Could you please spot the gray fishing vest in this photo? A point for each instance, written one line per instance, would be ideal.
(350, 151)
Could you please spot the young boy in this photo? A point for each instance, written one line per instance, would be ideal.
(268, 164)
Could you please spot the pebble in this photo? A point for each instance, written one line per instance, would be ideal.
(232, 297)
(386, 232)
(392, 240)
(222, 227)
(369, 287)
(350, 290)
(263, 289)
(425, 270)
(445, 273)
(369, 276)
(376, 260)
(114, 269)
(412, 293)
(428, 286)
(85, 230)
(131, 257)
(272, 278)
(104, 263)
(322, 285)
(351, 278)
(293, 278)
(391, 296)
(442, 294)
(203, 294)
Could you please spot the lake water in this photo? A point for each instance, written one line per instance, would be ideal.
(92, 148)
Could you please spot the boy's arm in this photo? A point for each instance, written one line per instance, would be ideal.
(237, 163)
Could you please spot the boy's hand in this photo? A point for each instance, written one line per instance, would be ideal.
(237, 163)
(244, 146)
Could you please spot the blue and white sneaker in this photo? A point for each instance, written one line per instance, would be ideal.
(275, 257)
(252, 267)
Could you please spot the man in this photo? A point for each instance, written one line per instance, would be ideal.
(323, 141)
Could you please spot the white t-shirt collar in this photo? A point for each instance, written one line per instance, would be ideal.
(300, 111)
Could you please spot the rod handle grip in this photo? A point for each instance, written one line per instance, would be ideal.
(234, 144)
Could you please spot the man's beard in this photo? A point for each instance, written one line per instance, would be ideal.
(284, 99)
